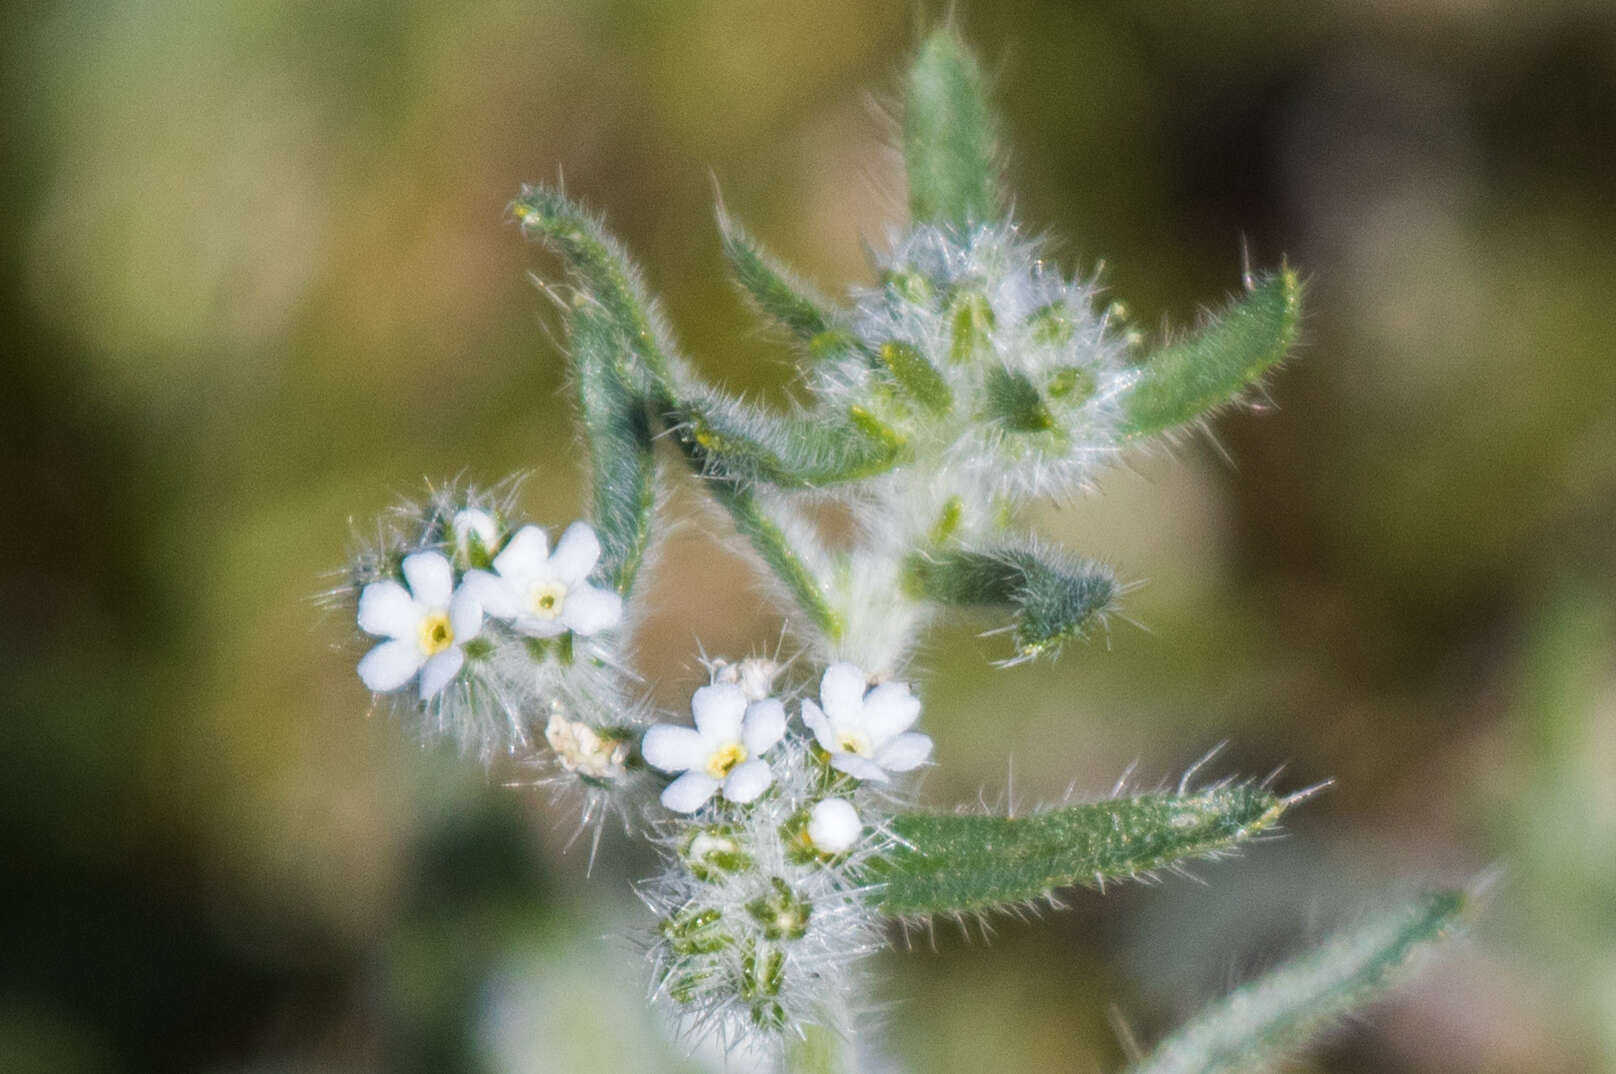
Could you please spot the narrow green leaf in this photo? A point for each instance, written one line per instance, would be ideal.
(754, 521)
(1054, 594)
(949, 138)
(778, 295)
(796, 450)
(1277, 1013)
(600, 268)
(617, 427)
(952, 863)
(917, 377)
(1181, 382)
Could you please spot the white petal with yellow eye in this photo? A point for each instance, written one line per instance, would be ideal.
(718, 710)
(689, 792)
(763, 726)
(588, 610)
(674, 749)
(439, 671)
(904, 752)
(430, 577)
(747, 780)
(576, 554)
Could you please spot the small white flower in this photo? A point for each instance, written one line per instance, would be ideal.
(834, 826)
(724, 751)
(584, 750)
(427, 626)
(473, 522)
(866, 734)
(545, 593)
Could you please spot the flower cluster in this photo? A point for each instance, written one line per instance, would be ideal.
(486, 634)
(762, 904)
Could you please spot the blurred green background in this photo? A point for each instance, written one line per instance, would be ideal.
(257, 283)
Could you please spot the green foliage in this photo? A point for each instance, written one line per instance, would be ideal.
(1015, 402)
(916, 377)
(1185, 380)
(600, 268)
(1055, 595)
(617, 427)
(802, 449)
(775, 292)
(954, 863)
(1283, 1009)
(949, 145)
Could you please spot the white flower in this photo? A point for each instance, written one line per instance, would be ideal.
(427, 626)
(833, 826)
(723, 751)
(866, 734)
(473, 522)
(545, 593)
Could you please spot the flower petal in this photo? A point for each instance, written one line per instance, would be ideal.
(465, 616)
(841, 691)
(526, 555)
(764, 725)
(718, 710)
(816, 721)
(834, 826)
(431, 578)
(858, 767)
(534, 627)
(576, 554)
(689, 792)
(387, 610)
(904, 752)
(889, 709)
(747, 780)
(389, 665)
(588, 610)
(673, 748)
(495, 595)
(439, 671)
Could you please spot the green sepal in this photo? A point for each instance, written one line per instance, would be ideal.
(777, 294)
(917, 377)
(1055, 595)
(1278, 1012)
(1015, 402)
(949, 141)
(805, 449)
(617, 428)
(947, 863)
(599, 267)
(1183, 381)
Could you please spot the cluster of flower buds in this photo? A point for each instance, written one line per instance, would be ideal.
(762, 905)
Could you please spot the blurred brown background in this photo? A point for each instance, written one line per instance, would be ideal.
(257, 283)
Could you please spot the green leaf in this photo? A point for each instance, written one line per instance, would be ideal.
(600, 268)
(749, 508)
(617, 427)
(778, 294)
(949, 143)
(1182, 382)
(805, 449)
(1277, 1013)
(1054, 595)
(951, 863)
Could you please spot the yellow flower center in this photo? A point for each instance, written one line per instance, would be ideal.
(853, 742)
(547, 598)
(436, 633)
(724, 758)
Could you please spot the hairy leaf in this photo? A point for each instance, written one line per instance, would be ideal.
(1054, 594)
(1278, 1012)
(950, 863)
(601, 269)
(803, 449)
(617, 427)
(1182, 382)
(949, 145)
(778, 295)
(917, 377)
